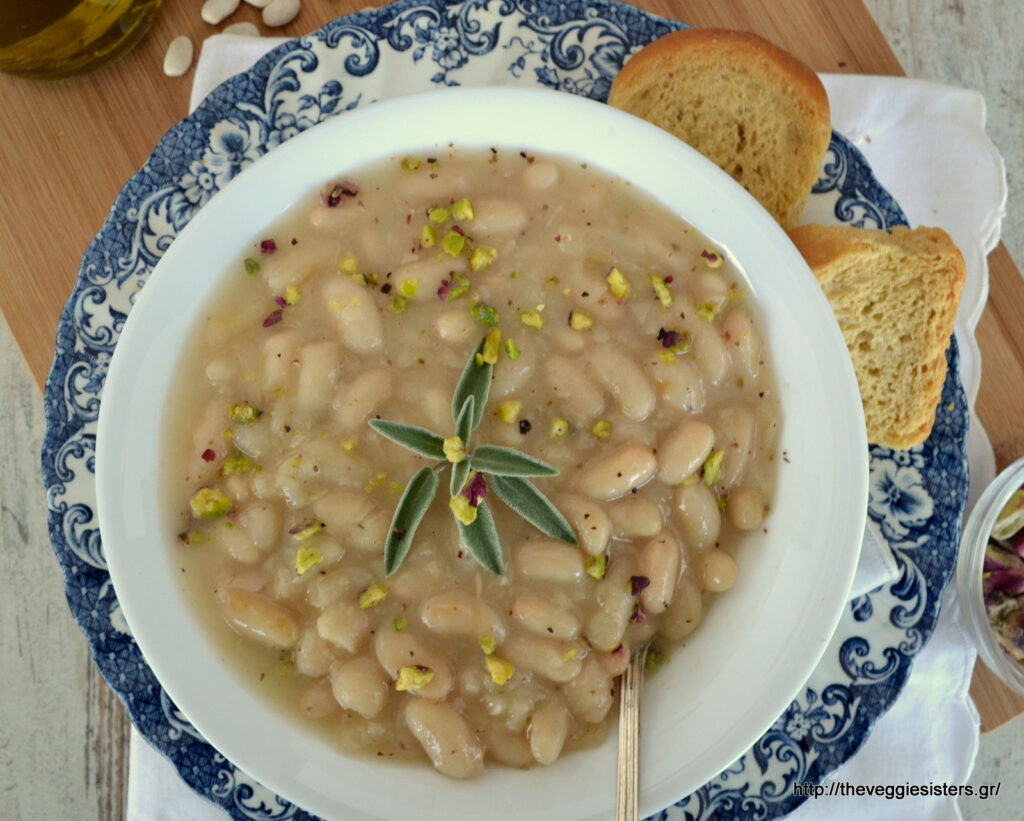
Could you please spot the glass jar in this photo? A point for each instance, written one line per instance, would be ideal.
(970, 570)
(60, 38)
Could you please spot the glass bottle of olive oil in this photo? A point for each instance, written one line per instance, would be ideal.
(59, 38)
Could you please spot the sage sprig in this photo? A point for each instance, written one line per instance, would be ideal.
(505, 470)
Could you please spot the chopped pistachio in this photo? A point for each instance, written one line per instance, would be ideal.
(462, 510)
(409, 287)
(244, 413)
(453, 243)
(481, 257)
(667, 357)
(459, 289)
(373, 595)
(712, 259)
(410, 163)
(596, 566)
(661, 290)
(209, 503)
(655, 660)
(532, 319)
(559, 427)
(487, 644)
(463, 209)
(602, 428)
(306, 558)
(237, 463)
(306, 529)
(455, 449)
(709, 310)
(722, 502)
(617, 284)
(399, 624)
(492, 348)
(579, 321)
(349, 445)
(501, 671)
(428, 236)
(251, 266)
(348, 265)
(414, 677)
(691, 479)
(399, 304)
(334, 305)
(713, 467)
(508, 411)
(438, 214)
(377, 481)
(292, 294)
(485, 314)
(512, 350)
(570, 654)
(194, 537)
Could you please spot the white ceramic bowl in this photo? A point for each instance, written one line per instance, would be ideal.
(758, 643)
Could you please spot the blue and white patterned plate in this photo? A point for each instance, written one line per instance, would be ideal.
(916, 497)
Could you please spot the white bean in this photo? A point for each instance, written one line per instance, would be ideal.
(215, 11)
(396, 650)
(280, 359)
(513, 375)
(462, 616)
(358, 317)
(312, 655)
(684, 450)
(367, 393)
(498, 217)
(698, 515)
(354, 519)
(574, 392)
(245, 29)
(455, 327)
(262, 521)
(634, 517)
(618, 473)
(448, 740)
(280, 12)
(620, 375)
(556, 660)
(545, 618)
(360, 685)
(540, 176)
(258, 618)
(590, 694)
(426, 275)
(679, 384)
(660, 561)
(346, 581)
(236, 542)
(319, 363)
(548, 560)
(709, 352)
(506, 746)
(745, 508)
(683, 615)
(178, 58)
(589, 521)
(718, 570)
(743, 342)
(737, 437)
(549, 727)
(344, 625)
(317, 701)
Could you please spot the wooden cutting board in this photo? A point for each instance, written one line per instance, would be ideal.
(69, 146)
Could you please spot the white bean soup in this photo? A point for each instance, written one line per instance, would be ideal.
(625, 353)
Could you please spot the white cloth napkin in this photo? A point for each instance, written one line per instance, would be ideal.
(927, 146)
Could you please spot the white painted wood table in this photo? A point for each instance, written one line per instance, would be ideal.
(63, 735)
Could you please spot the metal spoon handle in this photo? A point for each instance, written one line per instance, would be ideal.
(628, 780)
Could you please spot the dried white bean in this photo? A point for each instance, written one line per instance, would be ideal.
(258, 4)
(498, 217)
(698, 515)
(679, 384)
(684, 450)
(589, 521)
(448, 740)
(236, 542)
(547, 560)
(360, 685)
(545, 618)
(259, 618)
(618, 473)
(635, 517)
(718, 570)
(178, 58)
(312, 655)
(709, 352)
(216, 11)
(555, 660)
(344, 625)
(327, 589)
(396, 650)
(743, 342)
(621, 375)
(317, 701)
(353, 518)
(737, 437)
(549, 727)
(280, 359)
(280, 12)
(660, 560)
(367, 393)
(540, 176)
(506, 746)
(319, 364)
(576, 394)
(244, 29)
(683, 615)
(463, 616)
(745, 508)
(455, 327)
(590, 694)
(357, 314)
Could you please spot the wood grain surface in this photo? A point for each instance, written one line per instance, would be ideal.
(66, 149)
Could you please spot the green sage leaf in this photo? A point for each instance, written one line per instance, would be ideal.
(476, 382)
(481, 539)
(523, 498)
(460, 472)
(463, 429)
(499, 461)
(418, 440)
(416, 498)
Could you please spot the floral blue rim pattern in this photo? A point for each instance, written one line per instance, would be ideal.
(916, 497)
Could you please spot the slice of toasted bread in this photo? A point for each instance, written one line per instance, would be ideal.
(895, 297)
(753, 109)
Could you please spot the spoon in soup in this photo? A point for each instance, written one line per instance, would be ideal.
(627, 792)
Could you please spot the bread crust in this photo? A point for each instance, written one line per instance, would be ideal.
(856, 269)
